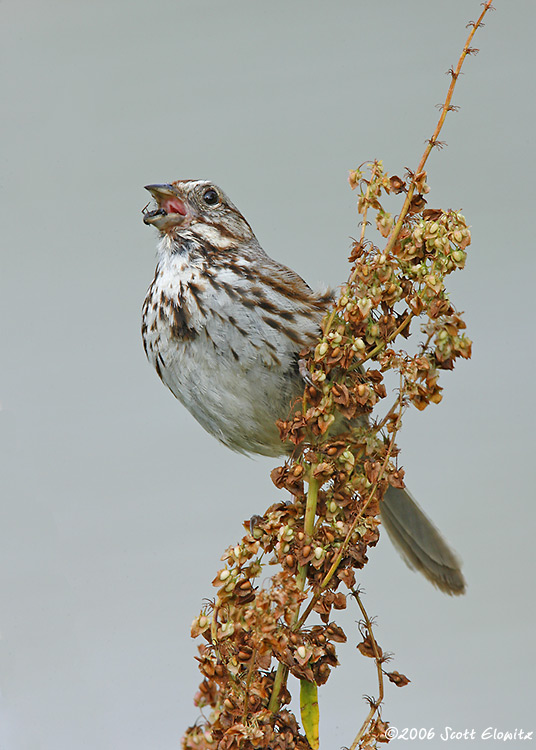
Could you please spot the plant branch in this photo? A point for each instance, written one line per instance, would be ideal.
(433, 141)
(377, 349)
(378, 659)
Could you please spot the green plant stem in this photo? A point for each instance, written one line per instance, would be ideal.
(280, 679)
(309, 524)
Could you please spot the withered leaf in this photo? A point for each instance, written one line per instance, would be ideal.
(341, 394)
(417, 204)
(277, 476)
(372, 470)
(398, 679)
(367, 649)
(432, 214)
(396, 479)
(339, 601)
(397, 185)
(335, 633)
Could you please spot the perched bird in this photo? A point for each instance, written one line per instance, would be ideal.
(223, 325)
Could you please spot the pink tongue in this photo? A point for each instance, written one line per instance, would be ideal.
(174, 206)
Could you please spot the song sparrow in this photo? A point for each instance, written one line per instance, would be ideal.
(223, 325)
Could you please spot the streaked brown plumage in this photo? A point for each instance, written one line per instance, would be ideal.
(223, 325)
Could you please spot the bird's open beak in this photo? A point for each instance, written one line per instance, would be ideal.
(171, 211)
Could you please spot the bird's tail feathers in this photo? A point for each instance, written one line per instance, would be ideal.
(419, 542)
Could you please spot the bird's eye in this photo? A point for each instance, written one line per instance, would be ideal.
(211, 197)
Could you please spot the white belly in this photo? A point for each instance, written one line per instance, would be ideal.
(231, 370)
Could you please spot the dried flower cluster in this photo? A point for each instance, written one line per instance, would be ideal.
(256, 630)
(250, 628)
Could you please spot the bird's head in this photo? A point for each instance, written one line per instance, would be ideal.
(198, 208)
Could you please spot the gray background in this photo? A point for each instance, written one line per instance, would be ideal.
(116, 505)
